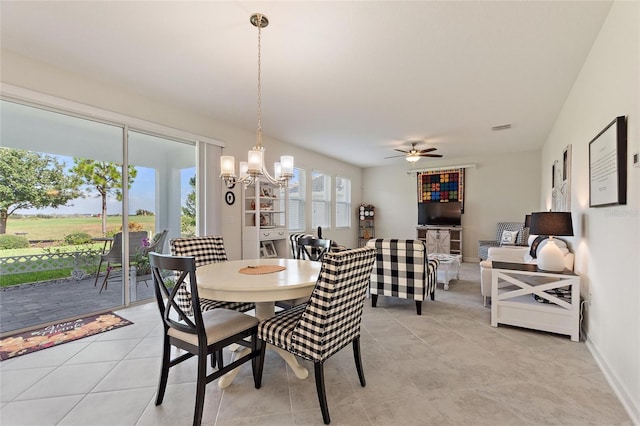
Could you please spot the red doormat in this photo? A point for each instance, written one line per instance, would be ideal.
(57, 334)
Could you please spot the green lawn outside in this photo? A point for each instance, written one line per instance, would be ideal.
(56, 228)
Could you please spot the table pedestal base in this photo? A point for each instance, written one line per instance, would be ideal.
(264, 310)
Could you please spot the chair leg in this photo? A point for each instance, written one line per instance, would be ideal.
(257, 375)
(106, 277)
(374, 300)
(200, 388)
(164, 370)
(358, 359)
(419, 307)
(98, 273)
(433, 294)
(257, 362)
(322, 394)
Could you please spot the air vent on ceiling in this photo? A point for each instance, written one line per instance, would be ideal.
(501, 127)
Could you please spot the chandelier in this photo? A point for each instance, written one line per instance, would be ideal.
(254, 168)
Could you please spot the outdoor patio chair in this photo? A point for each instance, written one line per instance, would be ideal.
(113, 257)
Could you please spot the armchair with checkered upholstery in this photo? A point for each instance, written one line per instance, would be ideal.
(330, 320)
(208, 249)
(403, 270)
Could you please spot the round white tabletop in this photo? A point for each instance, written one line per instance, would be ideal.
(223, 280)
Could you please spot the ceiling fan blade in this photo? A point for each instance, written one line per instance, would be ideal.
(431, 155)
(395, 156)
(399, 150)
(424, 151)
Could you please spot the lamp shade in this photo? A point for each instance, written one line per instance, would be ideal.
(527, 221)
(551, 223)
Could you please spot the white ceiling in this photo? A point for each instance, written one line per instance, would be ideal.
(351, 80)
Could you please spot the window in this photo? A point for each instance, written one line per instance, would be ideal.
(296, 200)
(321, 200)
(343, 202)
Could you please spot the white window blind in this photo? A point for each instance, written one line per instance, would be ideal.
(343, 202)
(296, 200)
(321, 200)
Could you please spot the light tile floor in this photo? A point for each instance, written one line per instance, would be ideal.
(447, 367)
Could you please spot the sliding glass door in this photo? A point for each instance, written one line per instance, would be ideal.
(72, 192)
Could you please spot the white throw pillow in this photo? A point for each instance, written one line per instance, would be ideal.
(508, 238)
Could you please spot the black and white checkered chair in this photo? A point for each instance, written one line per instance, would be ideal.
(403, 270)
(330, 319)
(209, 249)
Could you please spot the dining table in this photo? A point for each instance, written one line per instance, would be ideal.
(262, 281)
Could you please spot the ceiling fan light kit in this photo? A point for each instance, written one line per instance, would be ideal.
(414, 155)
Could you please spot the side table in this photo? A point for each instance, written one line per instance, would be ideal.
(513, 286)
(449, 267)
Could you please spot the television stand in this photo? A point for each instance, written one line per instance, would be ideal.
(441, 239)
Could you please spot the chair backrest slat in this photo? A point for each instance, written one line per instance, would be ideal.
(312, 248)
(166, 293)
(293, 240)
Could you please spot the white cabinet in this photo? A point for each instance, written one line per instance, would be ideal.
(264, 221)
(441, 239)
(517, 290)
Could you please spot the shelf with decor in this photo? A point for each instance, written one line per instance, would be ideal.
(366, 224)
(264, 221)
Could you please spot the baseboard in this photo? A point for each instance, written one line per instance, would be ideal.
(632, 407)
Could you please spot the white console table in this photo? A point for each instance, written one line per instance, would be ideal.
(513, 286)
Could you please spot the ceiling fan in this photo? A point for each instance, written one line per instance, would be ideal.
(414, 154)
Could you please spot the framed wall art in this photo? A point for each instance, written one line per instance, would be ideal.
(441, 186)
(561, 182)
(608, 165)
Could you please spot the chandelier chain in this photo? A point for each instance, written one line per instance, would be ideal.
(259, 131)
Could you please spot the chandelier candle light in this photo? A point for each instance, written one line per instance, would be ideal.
(254, 168)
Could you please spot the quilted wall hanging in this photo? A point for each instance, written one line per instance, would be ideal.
(441, 186)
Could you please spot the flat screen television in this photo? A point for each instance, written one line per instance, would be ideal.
(443, 214)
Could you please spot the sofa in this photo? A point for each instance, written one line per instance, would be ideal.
(517, 254)
(521, 239)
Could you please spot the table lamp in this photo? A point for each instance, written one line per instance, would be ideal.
(550, 257)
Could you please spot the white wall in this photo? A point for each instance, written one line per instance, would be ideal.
(24, 72)
(500, 188)
(607, 239)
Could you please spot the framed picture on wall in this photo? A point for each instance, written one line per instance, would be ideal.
(608, 165)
